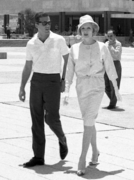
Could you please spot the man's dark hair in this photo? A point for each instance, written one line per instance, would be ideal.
(113, 31)
(39, 15)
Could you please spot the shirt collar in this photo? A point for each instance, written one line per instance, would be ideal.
(114, 42)
(38, 41)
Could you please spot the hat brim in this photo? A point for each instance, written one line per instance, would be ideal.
(95, 26)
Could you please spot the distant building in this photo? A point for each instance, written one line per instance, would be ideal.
(117, 14)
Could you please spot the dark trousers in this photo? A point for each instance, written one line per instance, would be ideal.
(44, 104)
(109, 89)
(8, 34)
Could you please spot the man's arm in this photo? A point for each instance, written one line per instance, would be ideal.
(65, 57)
(25, 76)
(65, 65)
(116, 51)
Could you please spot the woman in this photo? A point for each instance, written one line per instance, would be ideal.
(89, 59)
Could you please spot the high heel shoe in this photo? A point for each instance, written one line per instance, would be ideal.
(94, 161)
(81, 168)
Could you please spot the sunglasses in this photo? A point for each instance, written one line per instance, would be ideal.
(110, 36)
(45, 23)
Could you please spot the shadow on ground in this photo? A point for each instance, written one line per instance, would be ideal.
(95, 173)
(50, 169)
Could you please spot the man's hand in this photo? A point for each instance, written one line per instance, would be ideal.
(22, 95)
(62, 88)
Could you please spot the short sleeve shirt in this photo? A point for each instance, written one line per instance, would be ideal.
(47, 56)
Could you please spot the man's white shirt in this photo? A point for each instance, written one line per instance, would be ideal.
(47, 56)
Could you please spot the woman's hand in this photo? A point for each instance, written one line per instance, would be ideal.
(118, 96)
(117, 93)
(66, 99)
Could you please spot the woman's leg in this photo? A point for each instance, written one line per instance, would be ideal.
(94, 146)
(87, 136)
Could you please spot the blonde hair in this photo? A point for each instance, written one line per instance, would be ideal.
(93, 27)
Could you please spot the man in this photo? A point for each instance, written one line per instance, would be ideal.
(44, 54)
(115, 49)
(8, 31)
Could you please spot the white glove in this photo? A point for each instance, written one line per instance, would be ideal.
(118, 96)
(66, 99)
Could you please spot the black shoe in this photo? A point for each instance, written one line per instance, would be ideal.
(33, 162)
(63, 149)
(111, 107)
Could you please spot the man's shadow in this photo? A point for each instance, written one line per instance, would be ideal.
(50, 169)
(93, 173)
(116, 109)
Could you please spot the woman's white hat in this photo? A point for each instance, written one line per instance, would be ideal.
(87, 19)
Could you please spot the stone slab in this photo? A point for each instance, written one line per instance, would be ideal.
(3, 55)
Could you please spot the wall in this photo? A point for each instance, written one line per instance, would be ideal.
(121, 5)
(15, 6)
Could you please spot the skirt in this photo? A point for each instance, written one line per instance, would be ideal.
(90, 91)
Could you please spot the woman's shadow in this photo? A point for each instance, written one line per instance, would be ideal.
(93, 173)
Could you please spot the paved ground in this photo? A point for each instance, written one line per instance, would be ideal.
(115, 130)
